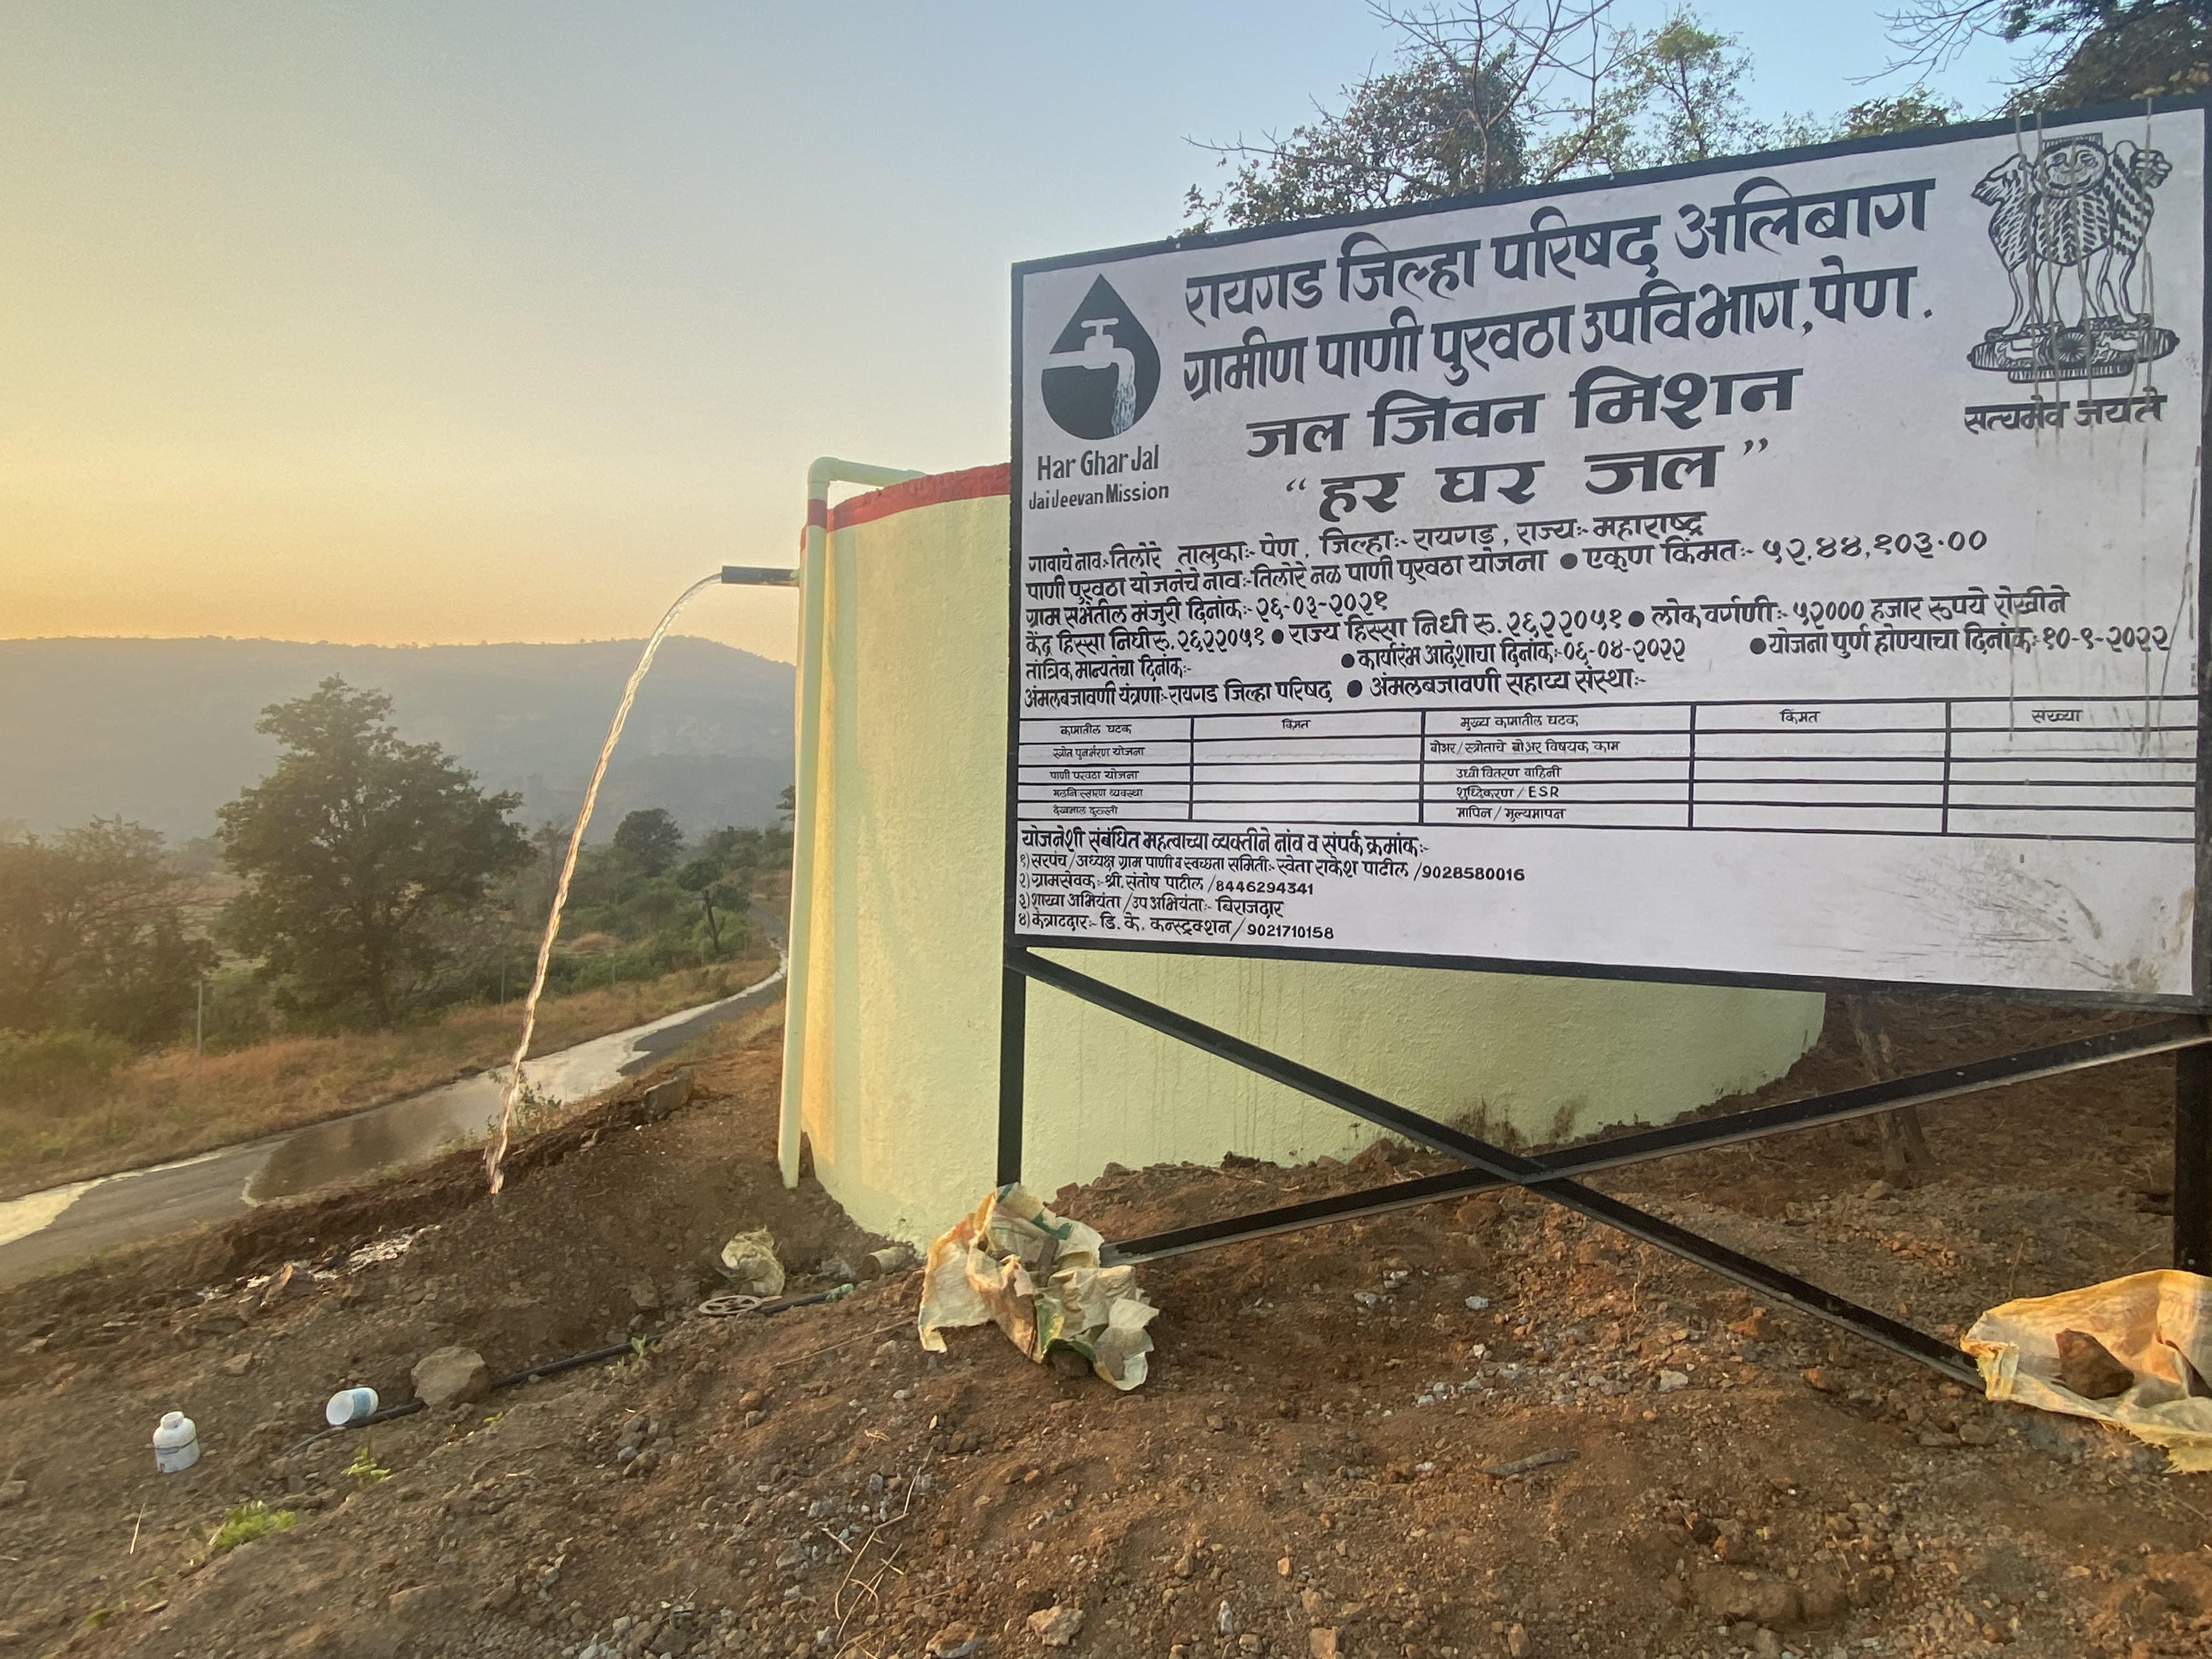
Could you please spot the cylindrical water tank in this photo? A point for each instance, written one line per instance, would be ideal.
(900, 1063)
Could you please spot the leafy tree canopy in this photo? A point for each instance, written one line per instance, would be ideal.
(1440, 126)
(353, 849)
(1499, 92)
(733, 848)
(1915, 108)
(650, 838)
(2088, 51)
(1681, 97)
(1496, 93)
(93, 932)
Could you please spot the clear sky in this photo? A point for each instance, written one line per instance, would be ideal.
(502, 319)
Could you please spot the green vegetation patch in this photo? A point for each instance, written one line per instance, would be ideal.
(365, 1470)
(248, 1521)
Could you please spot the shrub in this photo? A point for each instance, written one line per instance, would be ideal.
(56, 1066)
(365, 1470)
(248, 1521)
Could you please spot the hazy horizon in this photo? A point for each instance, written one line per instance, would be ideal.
(434, 323)
(161, 732)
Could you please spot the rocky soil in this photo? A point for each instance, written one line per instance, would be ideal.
(1477, 1428)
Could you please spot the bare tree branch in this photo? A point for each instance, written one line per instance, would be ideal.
(1484, 95)
(2081, 51)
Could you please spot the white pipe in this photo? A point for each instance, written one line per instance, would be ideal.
(813, 650)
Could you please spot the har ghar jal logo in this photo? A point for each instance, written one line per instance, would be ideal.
(1103, 370)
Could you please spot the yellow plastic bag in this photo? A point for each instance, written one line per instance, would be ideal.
(2159, 1325)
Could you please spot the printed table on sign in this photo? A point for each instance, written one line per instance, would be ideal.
(2084, 769)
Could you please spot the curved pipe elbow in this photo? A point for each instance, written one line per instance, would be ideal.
(828, 470)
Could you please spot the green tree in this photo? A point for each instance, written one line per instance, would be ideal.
(1497, 92)
(2086, 51)
(1905, 113)
(650, 838)
(354, 850)
(2133, 52)
(733, 849)
(1682, 98)
(705, 878)
(94, 932)
(1440, 126)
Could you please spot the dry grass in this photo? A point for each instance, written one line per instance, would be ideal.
(166, 1105)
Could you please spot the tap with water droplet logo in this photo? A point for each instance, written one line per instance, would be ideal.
(1103, 370)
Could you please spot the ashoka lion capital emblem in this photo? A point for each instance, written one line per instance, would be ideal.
(2069, 221)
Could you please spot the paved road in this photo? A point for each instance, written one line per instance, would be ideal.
(63, 1225)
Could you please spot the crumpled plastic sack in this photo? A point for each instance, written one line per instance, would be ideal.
(2159, 1325)
(1036, 1275)
(749, 1261)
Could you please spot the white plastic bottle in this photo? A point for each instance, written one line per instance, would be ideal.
(176, 1443)
(350, 1406)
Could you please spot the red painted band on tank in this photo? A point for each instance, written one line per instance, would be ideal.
(972, 483)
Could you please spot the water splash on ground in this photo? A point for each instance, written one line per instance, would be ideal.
(496, 1153)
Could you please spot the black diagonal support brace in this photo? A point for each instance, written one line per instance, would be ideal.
(1506, 1167)
(2166, 1037)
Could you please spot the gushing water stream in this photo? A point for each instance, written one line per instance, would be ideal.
(496, 1152)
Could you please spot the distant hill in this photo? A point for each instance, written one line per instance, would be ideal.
(162, 730)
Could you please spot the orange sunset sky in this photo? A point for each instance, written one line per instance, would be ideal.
(409, 322)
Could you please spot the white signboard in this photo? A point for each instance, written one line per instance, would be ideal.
(1780, 573)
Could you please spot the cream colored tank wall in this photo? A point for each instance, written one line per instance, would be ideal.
(901, 1062)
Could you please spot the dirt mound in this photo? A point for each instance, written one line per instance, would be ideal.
(1481, 1428)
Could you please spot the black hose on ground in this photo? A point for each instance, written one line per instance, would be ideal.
(555, 1367)
(386, 1414)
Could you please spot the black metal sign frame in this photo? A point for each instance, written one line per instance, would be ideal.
(1554, 1176)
